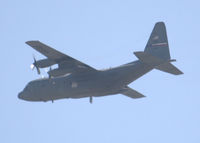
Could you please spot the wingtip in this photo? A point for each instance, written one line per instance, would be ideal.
(31, 41)
(180, 73)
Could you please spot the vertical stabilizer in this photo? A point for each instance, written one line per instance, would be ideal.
(156, 53)
(157, 44)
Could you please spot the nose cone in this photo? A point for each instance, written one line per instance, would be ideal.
(20, 95)
(24, 95)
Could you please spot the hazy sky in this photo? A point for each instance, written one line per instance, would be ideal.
(101, 34)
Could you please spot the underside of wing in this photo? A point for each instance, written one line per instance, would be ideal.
(65, 62)
(127, 91)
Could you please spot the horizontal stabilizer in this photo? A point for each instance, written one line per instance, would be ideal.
(148, 59)
(169, 68)
(127, 91)
(158, 63)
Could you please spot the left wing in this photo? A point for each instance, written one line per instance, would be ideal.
(63, 61)
(127, 91)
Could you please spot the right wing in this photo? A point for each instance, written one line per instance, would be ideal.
(127, 91)
(63, 61)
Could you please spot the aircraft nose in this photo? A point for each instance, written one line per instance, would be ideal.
(20, 95)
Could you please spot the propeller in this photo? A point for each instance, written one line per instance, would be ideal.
(50, 70)
(46, 70)
(34, 65)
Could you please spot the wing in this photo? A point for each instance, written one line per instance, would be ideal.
(63, 61)
(127, 91)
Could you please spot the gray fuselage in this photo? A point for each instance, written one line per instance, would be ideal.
(89, 84)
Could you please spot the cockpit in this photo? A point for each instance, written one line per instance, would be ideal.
(28, 92)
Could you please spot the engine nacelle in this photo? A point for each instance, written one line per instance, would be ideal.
(59, 72)
(44, 63)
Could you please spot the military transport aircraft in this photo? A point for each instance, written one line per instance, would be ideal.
(74, 79)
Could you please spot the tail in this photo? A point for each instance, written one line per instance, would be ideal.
(157, 53)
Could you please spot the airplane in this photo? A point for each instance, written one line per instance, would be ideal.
(74, 79)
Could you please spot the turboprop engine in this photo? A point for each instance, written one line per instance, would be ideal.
(41, 64)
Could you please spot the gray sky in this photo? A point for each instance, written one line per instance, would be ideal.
(101, 33)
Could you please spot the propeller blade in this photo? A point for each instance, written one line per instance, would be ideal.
(49, 71)
(91, 100)
(34, 65)
(38, 70)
